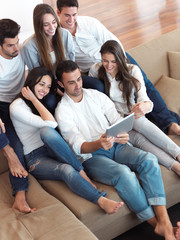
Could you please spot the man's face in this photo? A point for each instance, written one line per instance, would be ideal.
(68, 17)
(72, 84)
(10, 48)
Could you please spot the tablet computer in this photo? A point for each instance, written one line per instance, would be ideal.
(122, 126)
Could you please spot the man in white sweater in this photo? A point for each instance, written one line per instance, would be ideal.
(83, 115)
(12, 77)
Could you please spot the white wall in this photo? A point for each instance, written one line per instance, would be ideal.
(20, 11)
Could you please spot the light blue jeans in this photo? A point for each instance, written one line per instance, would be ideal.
(58, 162)
(117, 167)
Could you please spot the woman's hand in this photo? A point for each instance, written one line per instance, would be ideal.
(2, 126)
(140, 109)
(28, 94)
(122, 138)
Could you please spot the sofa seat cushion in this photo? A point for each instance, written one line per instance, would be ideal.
(51, 221)
(174, 64)
(169, 89)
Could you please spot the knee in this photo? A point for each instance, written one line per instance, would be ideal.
(150, 160)
(122, 175)
(46, 133)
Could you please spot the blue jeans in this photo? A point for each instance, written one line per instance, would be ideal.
(3, 139)
(160, 113)
(116, 167)
(18, 184)
(94, 83)
(56, 161)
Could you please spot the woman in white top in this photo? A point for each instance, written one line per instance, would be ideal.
(124, 84)
(55, 161)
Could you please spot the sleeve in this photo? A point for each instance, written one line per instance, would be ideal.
(68, 44)
(102, 34)
(30, 54)
(68, 128)
(21, 113)
(108, 108)
(142, 94)
(93, 72)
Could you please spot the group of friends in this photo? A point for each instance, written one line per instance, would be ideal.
(59, 92)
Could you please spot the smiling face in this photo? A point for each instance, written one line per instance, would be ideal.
(110, 64)
(49, 25)
(10, 48)
(42, 88)
(68, 17)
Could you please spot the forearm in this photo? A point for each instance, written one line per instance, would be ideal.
(43, 111)
(89, 147)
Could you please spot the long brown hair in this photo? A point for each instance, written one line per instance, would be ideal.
(123, 76)
(39, 11)
(33, 78)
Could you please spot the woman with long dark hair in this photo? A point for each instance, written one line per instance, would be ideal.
(124, 84)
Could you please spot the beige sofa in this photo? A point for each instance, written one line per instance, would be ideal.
(53, 220)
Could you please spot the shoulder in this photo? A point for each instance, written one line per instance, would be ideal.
(17, 105)
(93, 72)
(87, 20)
(30, 43)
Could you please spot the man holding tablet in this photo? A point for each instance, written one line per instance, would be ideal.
(83, 115)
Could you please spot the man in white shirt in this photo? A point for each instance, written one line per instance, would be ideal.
(83, 116)
(12, 77)
(89, 35)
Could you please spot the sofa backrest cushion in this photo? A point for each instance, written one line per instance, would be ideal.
(152, 56)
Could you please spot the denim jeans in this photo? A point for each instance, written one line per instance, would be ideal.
(116, 167)
(3, 139)
(18, 184)
(160, 113)
(45, 165)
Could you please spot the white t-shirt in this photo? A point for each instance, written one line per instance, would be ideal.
(28, 125)
(12, 77)
(85, 121)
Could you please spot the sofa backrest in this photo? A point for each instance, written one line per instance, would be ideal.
(152, 56)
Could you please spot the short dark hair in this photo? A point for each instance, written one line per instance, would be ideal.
(66, 3)
(66, 66)
(8, 29)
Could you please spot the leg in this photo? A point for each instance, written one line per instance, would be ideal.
(139, 141)
(46, 168)
(94, 83)
(160, 114)
(19, 185)
(156, 136)
(105, 170)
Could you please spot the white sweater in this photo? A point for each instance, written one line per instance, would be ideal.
(28, 125)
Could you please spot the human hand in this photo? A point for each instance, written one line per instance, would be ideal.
(122, 138)
(106, 142)
(28, 94)
(2, 126)
(140, 109)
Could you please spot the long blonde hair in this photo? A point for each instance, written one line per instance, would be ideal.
(39, 11)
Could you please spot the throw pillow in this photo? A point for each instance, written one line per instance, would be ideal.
(174, 64)
(169, 89)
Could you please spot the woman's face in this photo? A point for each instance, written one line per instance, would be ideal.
(110, 64)
(42, 88)
(49, 25)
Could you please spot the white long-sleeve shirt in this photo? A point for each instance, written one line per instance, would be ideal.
(90, 35)
(85, 121)
(117, 95)
(28, 125)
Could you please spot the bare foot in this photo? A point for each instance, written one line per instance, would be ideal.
(109, 206)
(176, 168)
(165, 230)
(20, 203)
(15, 166)
(177, 231)
(84, 175)
(174, 129)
